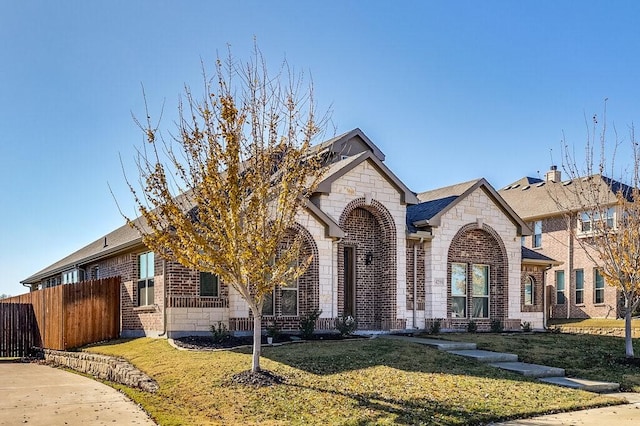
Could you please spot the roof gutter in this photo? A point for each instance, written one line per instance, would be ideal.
(115, 250)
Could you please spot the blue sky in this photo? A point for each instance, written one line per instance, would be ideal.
(449, 91)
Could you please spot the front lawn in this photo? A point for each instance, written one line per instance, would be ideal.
(373, 381)
(581, 355)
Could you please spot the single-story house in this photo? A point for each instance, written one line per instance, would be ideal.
(392, 259)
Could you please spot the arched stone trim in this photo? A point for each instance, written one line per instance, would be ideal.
(481, 245)
(370, 229)
(536, 272)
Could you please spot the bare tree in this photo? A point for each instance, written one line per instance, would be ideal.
(604, 213)
(224, 200)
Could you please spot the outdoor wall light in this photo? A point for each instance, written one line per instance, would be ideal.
(368, 258)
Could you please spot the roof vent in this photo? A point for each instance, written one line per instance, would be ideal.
(540, 184)
(508, 187)
(566, 182)
(105, 242)
(515, 186)
(524, 188)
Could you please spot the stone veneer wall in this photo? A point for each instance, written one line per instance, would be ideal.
(104, 367)
(362, 182)
(477, 205)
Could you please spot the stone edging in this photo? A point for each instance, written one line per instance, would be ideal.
(104, 367)
(602, 331)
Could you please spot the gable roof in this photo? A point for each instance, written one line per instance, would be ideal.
(535, 198)
(340, 168)
(437, 202)
(341, 144)
(126, 238)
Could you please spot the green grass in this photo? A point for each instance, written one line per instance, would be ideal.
(357, 382)
(581, 355)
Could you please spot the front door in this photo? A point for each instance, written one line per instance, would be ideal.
(349, 281)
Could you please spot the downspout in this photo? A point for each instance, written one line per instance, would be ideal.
(164, 302)
(567, 296)
(545, 302)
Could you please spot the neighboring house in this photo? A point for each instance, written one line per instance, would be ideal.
(376, 249)
(576, 289)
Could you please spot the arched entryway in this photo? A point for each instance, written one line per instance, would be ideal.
(367, 265)
(477, 277)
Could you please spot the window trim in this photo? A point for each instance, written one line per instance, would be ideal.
(579, 286)
(529, 282)
(146, 281)
(591, 216)
(488, 288)
(596, 288)
(216, 284)
(558, 291)
(464, 296)
(536, 237)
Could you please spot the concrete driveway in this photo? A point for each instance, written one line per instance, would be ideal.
(35, 394)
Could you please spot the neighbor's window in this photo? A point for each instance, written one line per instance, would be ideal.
(529, 289)
(579, 286)
(537, 234)
(208, 284)
(560, 299)
(594, 220)
(458, 290)
(598, 294)
(289, 297)
(480, 288)
(145, 278)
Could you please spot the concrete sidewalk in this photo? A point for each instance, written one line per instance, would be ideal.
(619, 415)
(35, 394)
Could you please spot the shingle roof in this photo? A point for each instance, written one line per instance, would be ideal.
(126, 237)
(535, 198)
(536, 257)
(437, 201)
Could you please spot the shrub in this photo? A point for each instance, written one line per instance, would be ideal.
(346, 325)
(220, 333)
(526, 326)
(472, 327)
(273, 330)
(496, 326)
(435, 326)
(308, 323)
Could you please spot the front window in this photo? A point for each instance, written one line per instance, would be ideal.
(537, 234)
(560, 300)
(529, 289)
(289, 298)
(598, 287)
(480, 286)
(146, 272)
(208, 284)
(459, 290)
(579, 286)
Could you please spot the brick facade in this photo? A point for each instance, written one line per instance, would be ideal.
(371, 232)
(559, 243)
(473, 245)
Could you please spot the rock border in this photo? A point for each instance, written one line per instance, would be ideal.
(103, 367)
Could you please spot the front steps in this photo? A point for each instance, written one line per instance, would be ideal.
(509, 362)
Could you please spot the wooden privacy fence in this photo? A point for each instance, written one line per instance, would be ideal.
(72, 315)
(18, 330)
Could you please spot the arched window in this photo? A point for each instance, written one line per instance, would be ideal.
(529, 290)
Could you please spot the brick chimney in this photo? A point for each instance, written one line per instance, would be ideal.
(553, 175)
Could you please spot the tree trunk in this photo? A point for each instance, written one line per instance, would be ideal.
(628, 342)
(257, 341)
